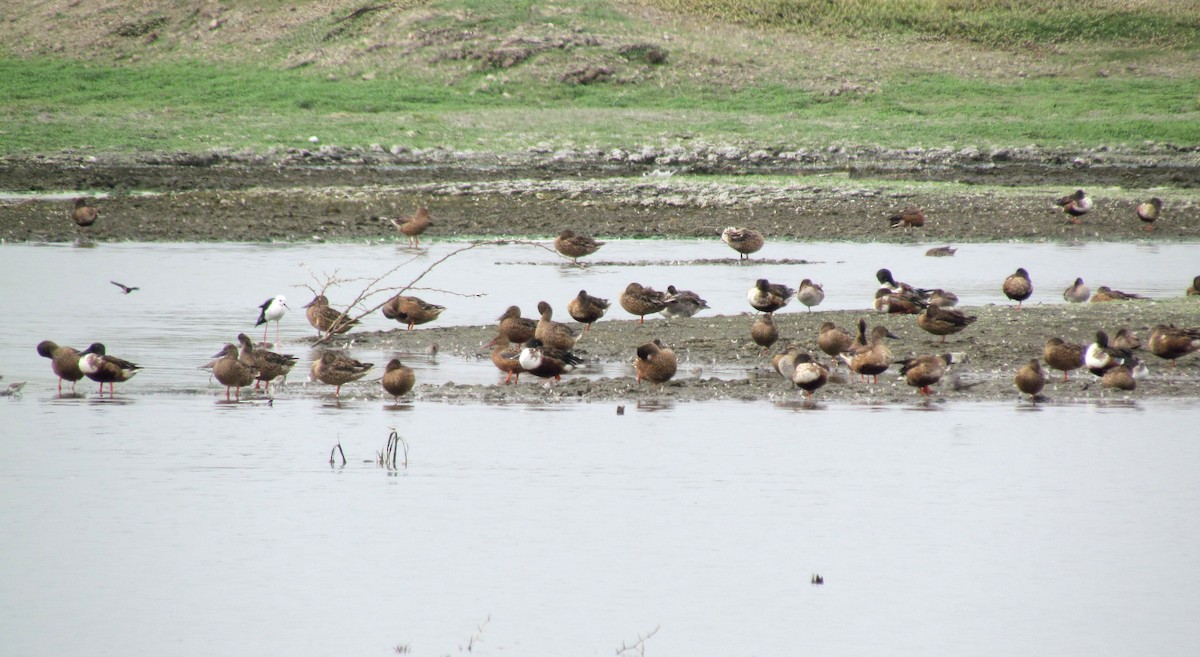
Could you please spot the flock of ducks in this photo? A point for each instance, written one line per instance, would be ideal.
(542, 347)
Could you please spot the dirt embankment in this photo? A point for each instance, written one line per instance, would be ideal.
(336, 194)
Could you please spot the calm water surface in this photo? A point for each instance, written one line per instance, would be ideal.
(165, 523)
(172, 526)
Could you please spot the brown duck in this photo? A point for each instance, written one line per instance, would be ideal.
(413, 226)
(808, 374)
(1018, 287)
(1075, 205)
(84, 214)
(642, 301)
(398, 379)
(943, 321)
(910, 217)
(834, 340)
(743, 240)
(337, 369)
(64, 362)
(514, 328)
(555, 335)
(232, 372)
(1148, 212)
(269, 365)
(1031, 378)
(654, 363)
(411, 310)
(575, 246)
(1105, 293)
(924, 371)
(763, 332)
(1062, 355)
(586, 309)
(873, 358)
(325, 319)
(507, 359)
(1171, 343)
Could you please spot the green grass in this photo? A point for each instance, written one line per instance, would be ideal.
(57, 104)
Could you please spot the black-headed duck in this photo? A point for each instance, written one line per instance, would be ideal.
(98, 366)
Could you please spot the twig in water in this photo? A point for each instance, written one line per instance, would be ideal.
(477, 636)
(388, 457)
(337, 448)
(639, 646)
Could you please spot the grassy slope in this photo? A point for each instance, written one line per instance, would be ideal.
(489, 75)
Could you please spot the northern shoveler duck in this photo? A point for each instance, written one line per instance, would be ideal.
(232, 372)
(514, 328)
(325, 319)
(1075, 205)
(1031, 378)
(910, 217)
(272, 310)
(897, 304)
(873, 358)
(943, 298)
(1018, 287)
(642, 301)
(941, 251)
(743, 240)
(1077, 292)
(763, 332)
(769, 297)
(555, 335)
(269, 364)
(544, 362)
(84, 214)
(337, 369)
(808, 374)
(507, 359)
(1148, 212)
(921, 372)
(398, 379)
(586, 309)
(834, 340)
(655, 362)
(64, 362)
(1125, 375)
(1101, 356)
(1062, 355)
(810, 294)
(98, 366)
(412, 227)
(888, 282)
(411, 310)
(1195, 288)
(682, 303)
(1169, 342)
(1126, 340)
(943, 321)
(1105, 293)
(575, 246)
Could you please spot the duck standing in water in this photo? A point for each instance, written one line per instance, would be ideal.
(575, 246)
(98, 366)
(412, 227)
(232, 372)
(269, 365)
(337, 369)
(64, 362)
(325, 319)
(743, 240)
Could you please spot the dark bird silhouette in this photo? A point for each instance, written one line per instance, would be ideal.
(125, 289)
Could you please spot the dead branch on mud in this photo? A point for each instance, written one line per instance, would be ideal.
(638, 647)
(373, 288)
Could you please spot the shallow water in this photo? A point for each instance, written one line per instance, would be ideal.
(170, 525)
(195, 297)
